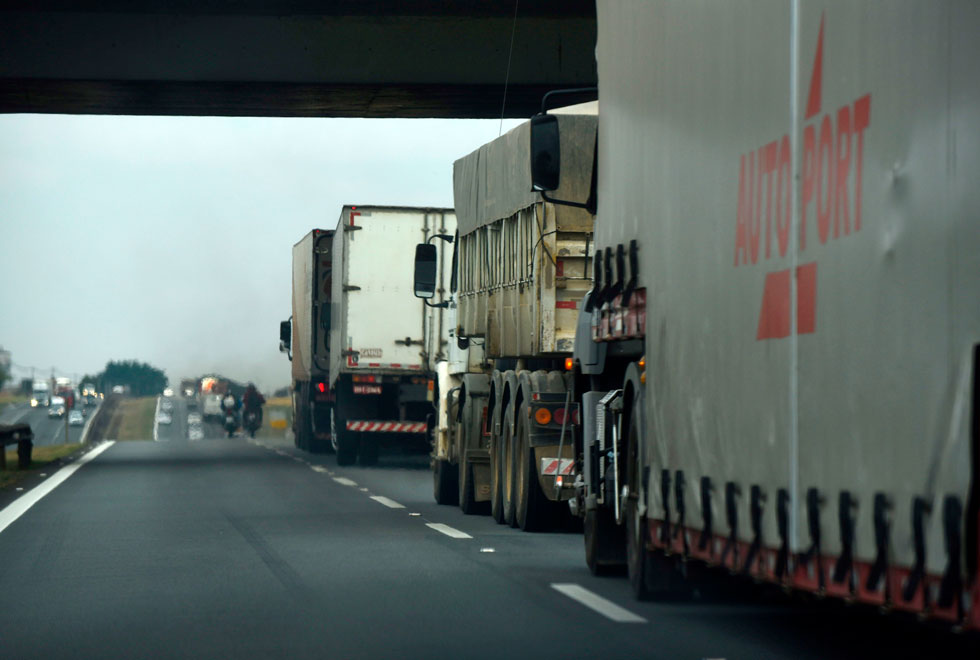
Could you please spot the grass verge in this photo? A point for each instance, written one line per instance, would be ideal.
(41, 458)
(135, 418)
(10, 398)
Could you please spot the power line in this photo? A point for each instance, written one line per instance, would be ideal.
(510, 53)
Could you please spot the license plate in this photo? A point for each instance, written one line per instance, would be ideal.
(367, 389)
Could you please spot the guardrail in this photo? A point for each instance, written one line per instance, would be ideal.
(23, 437)
(99, 424)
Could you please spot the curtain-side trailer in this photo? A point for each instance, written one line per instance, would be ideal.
(783, 366)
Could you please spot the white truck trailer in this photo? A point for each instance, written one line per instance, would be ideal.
(521, 264)
(784, 365)
(363, 350)
(40, 394)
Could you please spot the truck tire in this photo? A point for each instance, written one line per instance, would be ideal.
(605, 551)
(509, 472)
(344, 442)
(301, 428)
(532, 508)
(467, 496)
(496, 481)
(445, 478)
(639, 560)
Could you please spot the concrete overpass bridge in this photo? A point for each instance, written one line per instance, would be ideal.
(303, 58)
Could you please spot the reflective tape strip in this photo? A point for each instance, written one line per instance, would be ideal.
(550, 466)
(386, 427)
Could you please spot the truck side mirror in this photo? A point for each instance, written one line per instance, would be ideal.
(545, 153)
(285, 335)
(425, 270)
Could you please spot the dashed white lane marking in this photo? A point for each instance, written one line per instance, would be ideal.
(448, 531)
(344, 481)
(19, 507)
(606, 608)
(320, 469)
(391, 504)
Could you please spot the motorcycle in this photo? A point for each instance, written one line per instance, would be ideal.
(231, 424)
(252, 422)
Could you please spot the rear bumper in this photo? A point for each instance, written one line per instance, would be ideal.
(381, 426)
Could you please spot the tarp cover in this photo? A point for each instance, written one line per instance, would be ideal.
(494, 181)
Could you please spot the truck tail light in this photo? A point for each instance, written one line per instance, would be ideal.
(568, 364)
(321, 387)
(542, 416)
(559, 416)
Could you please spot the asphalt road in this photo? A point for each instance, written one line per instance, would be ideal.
(228, 548)
(47, 431)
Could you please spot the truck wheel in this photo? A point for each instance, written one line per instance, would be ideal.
(445, 486)
(301, 428)
(496, 482)
(532, 507)
(344, 442)
(508, 469)
(346, 449)
(604, 542)
(639, 560)
(467, 496)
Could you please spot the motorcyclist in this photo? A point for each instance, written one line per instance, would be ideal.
(253, 401)
(230, 406)
(229, 403)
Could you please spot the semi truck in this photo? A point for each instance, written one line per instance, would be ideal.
(520, 266)
(364, 352)
(779, 360)
(40, 394)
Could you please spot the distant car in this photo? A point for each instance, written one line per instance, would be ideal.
(168, 392)
(75, 418)
(194, 418)
(118, 389)
(195, 432)
(56, 411)
(164, 418)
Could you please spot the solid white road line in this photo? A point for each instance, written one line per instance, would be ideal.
(344, 481)
(448, 531)
(606, 608)
(19, 507)
(156, 414)
(391, 504)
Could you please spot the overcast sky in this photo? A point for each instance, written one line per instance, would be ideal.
(168, 239)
